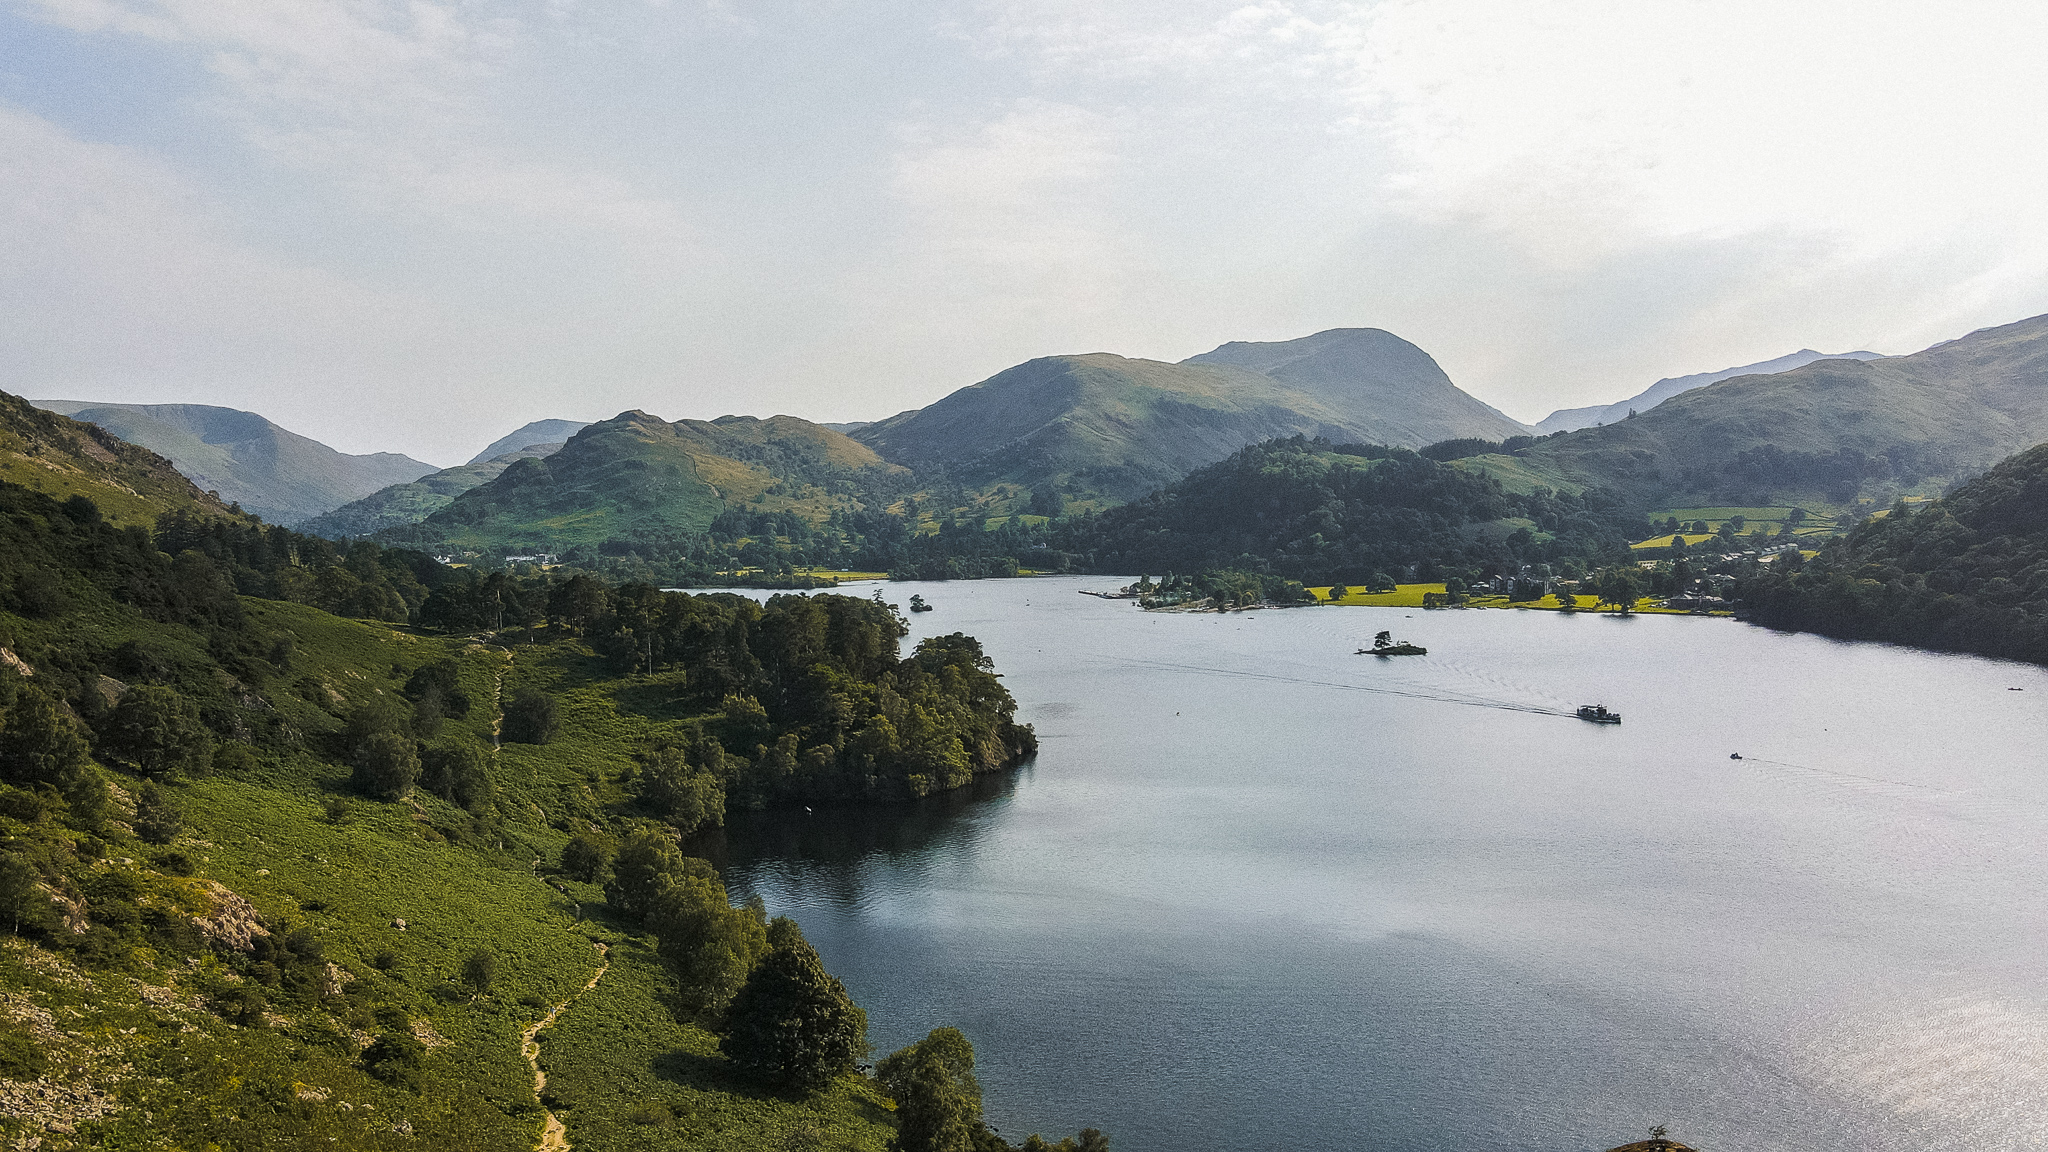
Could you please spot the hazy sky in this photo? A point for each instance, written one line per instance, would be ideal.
(415, 224)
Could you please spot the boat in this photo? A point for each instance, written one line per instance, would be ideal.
(1598, 714)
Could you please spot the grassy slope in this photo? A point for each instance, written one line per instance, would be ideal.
(639, 474)
(63, 457)
(402, 504)
(198, 1079)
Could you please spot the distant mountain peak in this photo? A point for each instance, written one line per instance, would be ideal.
(1572, 419)
(538, 432)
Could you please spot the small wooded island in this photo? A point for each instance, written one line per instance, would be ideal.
(1384, 644)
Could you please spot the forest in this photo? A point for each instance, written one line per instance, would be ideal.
(1965, 573)
(1321, 513)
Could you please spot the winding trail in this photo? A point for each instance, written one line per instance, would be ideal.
(553, 1136)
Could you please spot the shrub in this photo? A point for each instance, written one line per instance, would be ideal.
(587, 858)
(386, 765)
(158, 731)
(158, 819)
(397, 1059)
(530, 718)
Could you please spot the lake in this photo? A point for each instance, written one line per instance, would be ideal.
(1256, 891)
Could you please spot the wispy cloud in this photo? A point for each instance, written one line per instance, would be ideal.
(389, 98)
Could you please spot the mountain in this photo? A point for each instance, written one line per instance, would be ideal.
(1966, 573)
(277, 474)
(1103, 429)
(638, 476)
(1830, 433)
(1572, 419)
(538, 432)
(403, 504)
(62, 457)
(1395, 393)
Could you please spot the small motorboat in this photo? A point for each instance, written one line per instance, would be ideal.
(1735, 755)
(1598, 714)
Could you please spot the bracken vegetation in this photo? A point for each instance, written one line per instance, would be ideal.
(268, 878)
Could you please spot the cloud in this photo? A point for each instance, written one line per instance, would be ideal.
(389, 99)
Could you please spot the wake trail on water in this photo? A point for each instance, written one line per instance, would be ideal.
(1439, 696)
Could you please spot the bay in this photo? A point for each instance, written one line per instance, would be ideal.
(1256, 890)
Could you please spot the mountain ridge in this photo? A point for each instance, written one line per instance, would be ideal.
(1573, 419)
(250, 460)
(1099, 429)
(1833, 431)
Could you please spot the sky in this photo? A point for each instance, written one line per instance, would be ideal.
(412, 225)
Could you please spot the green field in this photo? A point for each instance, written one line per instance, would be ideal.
(1410, 596)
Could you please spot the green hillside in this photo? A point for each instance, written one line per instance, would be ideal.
(1097, 430)
(62, 457)
(1327, 514)
(404, 504)
(637, 476)
(270, 879)
(1827, 435)
(274, 473)
(1966, 573)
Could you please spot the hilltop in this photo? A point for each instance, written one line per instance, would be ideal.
(62, 457)
(1098, 430)
(637, 476)
(1390, 391)
(273, 472)
(1573, 419)
(1357, 514)
(1827, 434)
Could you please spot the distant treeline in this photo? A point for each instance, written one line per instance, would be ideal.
(1967, 573)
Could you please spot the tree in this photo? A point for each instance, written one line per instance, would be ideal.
(711, 946)
(645, 860)
(42, 743)
(480, 971)
(792, 1023)
(157, 817)
(22, 899)
(938, 1100)
(587, 858)
(685, 796)
(1338, 592)
(386, 765)
(530, 717)
(459, 773)
(158, 731)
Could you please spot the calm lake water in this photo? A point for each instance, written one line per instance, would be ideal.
(1257, 891)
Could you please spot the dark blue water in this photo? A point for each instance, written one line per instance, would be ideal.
(1259, 892)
